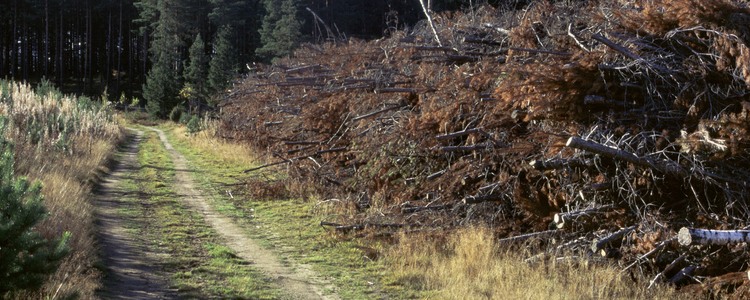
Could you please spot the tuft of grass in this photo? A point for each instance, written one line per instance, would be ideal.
(469, 264)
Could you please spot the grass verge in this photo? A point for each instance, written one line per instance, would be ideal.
(193, 254)
(288, 226)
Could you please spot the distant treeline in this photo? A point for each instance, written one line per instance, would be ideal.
(85, 45)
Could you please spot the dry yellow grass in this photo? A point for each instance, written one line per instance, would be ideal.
(207, 141)
(470, 265)
(61, 141)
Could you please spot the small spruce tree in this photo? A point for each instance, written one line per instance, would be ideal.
(223, 66)
(26, 258)
(196, 70)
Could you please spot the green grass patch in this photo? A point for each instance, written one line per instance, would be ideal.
(290, 227)
(192, 252)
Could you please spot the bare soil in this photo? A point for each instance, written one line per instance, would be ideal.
(130, 271)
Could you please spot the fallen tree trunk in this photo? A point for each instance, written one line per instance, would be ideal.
(690, 236)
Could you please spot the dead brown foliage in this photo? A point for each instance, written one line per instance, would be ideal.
(422, 135)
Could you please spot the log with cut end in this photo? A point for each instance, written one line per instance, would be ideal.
(692, 236)
(563, 219)
(599, 244)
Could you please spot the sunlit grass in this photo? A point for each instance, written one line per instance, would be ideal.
(469, 264)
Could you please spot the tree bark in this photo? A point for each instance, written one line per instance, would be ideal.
(692, 236)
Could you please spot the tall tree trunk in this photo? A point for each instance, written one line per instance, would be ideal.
(45, 57)
(14, 42)
(60, 48)
(119, 55)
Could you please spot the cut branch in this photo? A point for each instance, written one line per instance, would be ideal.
(375, 113)
(658, 247)
(666, 167)
(599, 244)
(527, 236)
(682, 274)
(483, 198)
(427, 14)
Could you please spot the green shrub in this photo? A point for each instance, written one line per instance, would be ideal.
(26, 258)
(176, 114)
(194, 125)
(185, 118)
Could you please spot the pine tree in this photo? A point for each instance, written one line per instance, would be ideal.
(196, 72)
(280, 31)
(223, 66)
(26, 258)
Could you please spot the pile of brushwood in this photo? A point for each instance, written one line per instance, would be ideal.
(618, 129)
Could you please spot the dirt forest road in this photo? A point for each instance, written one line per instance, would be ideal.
(130, 273)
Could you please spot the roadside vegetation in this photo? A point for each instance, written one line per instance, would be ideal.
(60, 141)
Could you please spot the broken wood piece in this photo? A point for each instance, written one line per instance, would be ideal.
(561, 219)
(603, 101)
(557, 163)
(527, 236)
(481, 146)
(414, 209)
(293, 159)
(272, 123)
(539, 51)
(683, 274)
(600, 244)
(628, 53)
(395, 90)
(667, 269)
(658, 247)
(367, 115)
(482, 198)
(436, 174)
(666, 167)
(483, 41)
(690, 236)
(456, 134)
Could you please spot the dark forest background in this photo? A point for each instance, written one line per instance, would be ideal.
(142, 48)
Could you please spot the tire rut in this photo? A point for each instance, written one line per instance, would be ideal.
(300, 282)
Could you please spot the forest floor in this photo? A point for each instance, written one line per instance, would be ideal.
(161, 238)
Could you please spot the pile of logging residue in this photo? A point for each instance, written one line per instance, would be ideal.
(619, 128)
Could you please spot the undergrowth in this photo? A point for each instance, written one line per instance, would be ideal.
(61, 140)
